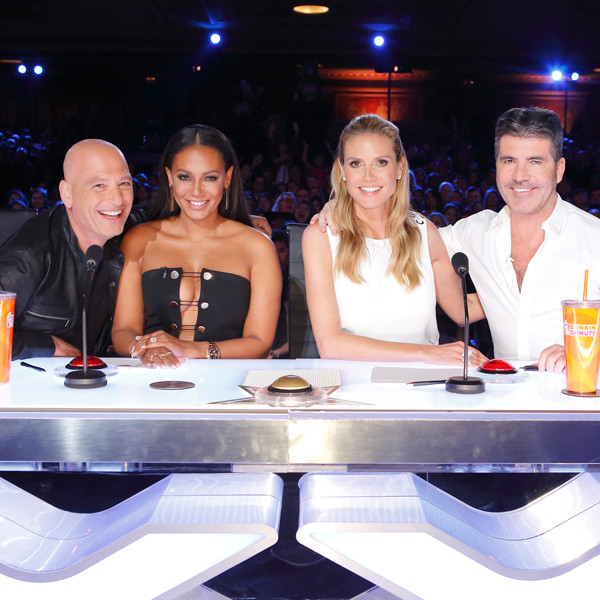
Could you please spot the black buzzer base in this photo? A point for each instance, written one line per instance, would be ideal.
(91, 379)
(460, 385)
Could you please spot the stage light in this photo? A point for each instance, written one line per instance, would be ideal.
(22, 69)
(556, 75)
(215, 39)
(311, 9)
(574, 76)
(379, 40)
(38, 69)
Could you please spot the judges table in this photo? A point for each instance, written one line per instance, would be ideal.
(374, 433)
(529, 425)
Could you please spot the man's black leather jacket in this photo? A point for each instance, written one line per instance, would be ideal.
(44, 265)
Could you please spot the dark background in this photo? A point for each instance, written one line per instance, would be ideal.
(132, 71)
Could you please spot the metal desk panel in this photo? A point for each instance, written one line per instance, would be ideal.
(530, 423)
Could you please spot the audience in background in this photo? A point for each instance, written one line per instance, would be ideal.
(39, 200)
(454, 172)
(17, 200)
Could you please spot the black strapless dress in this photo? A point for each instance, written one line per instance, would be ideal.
(222, 307)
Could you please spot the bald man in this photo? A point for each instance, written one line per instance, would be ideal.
(44, 263)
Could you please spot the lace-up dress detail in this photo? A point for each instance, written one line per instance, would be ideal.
(221, 307)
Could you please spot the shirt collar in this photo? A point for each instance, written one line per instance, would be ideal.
(554, 222)
(501, 219)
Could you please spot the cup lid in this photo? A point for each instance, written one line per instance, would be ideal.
(581, 303)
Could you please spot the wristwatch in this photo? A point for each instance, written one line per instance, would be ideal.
(213, 350)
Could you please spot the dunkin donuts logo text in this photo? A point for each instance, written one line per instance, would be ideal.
(10, 320)
(579, 330)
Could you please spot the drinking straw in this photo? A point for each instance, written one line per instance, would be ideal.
(585, 283)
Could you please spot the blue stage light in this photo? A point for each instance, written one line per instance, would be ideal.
(574, 76)
(22, 69)
(379, 40)
(215, 38)
(556, 75)
(38, 69)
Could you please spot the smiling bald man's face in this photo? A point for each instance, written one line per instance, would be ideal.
(97, 191)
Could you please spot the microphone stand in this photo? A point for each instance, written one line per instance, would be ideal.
(86, 378)
(465, 384)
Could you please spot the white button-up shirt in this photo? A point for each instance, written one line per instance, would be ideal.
(525, 322)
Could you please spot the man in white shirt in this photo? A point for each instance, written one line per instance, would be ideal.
(533, 254)
(523, 262)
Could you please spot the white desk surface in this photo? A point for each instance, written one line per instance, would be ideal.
(129, 391)
(530, 423)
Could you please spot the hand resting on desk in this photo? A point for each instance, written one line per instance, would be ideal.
(553, 359)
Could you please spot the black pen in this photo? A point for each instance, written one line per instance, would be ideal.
(26, 364)
(431, 382)
(530, 367)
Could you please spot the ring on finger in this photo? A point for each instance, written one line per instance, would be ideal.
(153, 340)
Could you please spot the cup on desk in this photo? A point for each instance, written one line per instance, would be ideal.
(7, 319)
(581, 326)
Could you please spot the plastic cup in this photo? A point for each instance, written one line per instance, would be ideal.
(7, 319)
(581, 325)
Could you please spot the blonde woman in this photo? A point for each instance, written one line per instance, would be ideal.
(372, 289)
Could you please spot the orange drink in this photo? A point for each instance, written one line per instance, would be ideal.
(7, 318)
(581, 325)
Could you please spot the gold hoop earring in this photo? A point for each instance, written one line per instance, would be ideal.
(227, 197)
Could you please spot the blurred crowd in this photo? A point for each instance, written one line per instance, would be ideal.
(290, 180)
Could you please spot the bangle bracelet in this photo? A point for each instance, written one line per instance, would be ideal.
(213, 351)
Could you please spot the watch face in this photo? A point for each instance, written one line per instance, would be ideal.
(213, 351)
(172, 385)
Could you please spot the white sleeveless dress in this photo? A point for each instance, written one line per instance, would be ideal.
(381, 308)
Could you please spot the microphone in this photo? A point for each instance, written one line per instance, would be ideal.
(464, 384)
(87, 378)
(93, 258)
(460, 262)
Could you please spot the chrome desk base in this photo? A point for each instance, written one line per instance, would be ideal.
(160, 543)
(418, 543)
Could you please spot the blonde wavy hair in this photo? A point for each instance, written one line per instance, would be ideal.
(401, 227)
